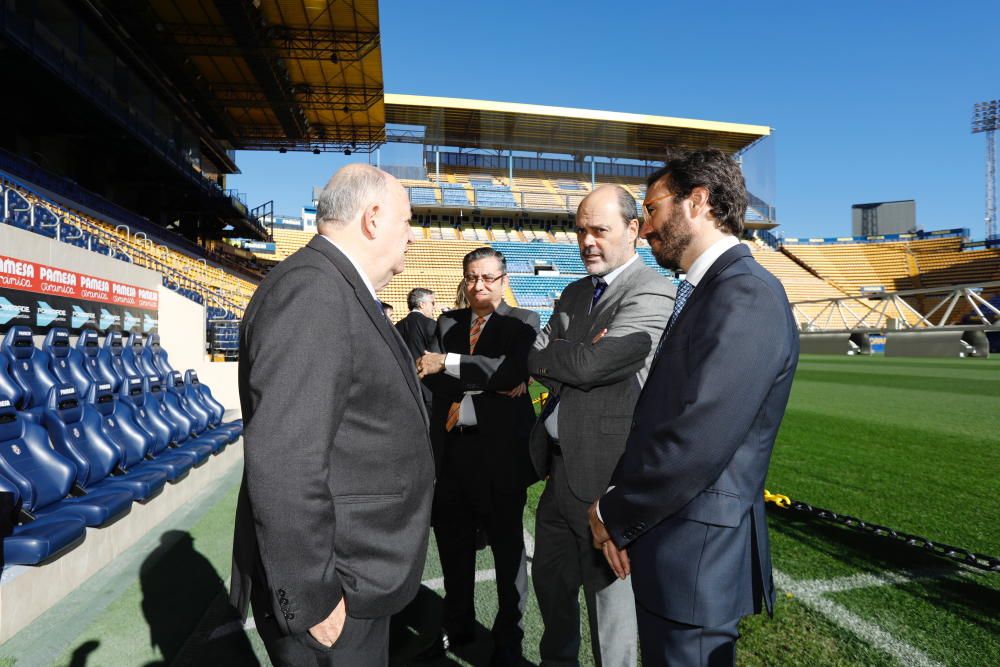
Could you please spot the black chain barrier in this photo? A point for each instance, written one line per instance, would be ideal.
(964, 556)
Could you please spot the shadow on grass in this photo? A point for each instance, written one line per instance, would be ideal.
(179, 586)
(969, 595)
(418, 626)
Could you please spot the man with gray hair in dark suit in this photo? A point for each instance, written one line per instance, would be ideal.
(593, 355)
(333, 514)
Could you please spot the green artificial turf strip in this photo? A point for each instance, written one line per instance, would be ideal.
(917, 460)
(797, 635)
(953, 619)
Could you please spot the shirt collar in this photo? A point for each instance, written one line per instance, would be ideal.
(611, 275)
(357, 267)
(700, 266)
(473, 316)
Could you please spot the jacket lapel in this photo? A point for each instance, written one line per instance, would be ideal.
(492, 326)
(371, 308)
(718, 266)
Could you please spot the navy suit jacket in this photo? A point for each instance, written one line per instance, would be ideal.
(688, 492)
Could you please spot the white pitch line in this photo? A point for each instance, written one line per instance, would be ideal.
(870, 580)
(811, 596)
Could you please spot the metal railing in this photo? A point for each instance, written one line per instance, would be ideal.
(896, 310)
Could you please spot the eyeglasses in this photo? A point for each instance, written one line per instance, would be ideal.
(645, 204)
(487, 279)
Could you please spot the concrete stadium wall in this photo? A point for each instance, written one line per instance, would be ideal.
(183, 335)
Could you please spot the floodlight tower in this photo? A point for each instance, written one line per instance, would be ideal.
(986, 118)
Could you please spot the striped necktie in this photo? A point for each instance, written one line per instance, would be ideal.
(684, 291)
(477, 328)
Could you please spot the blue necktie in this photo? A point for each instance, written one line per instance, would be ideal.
(684, 291)
(683, 294)
(600, 284)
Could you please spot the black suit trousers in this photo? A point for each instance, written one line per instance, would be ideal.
(464, 500)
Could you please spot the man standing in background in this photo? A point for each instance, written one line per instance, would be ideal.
(593, 355)
(417, 329)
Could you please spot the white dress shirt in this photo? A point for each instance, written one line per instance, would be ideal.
(699, 268)
(452, 366)
(552, 421)
(357, 267)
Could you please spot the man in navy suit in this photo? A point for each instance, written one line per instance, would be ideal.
(684, 511)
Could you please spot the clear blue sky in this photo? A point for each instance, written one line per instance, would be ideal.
(869, 101)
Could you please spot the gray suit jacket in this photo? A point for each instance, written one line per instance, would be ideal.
(688, 497)
(598, 384)
(339, 472)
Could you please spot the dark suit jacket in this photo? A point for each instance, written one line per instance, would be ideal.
(500, 363)
(688, 491)
(418, 331)
(339, 472)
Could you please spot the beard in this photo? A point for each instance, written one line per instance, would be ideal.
(670, 241)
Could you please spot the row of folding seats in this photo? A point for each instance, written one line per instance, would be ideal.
(83, 452)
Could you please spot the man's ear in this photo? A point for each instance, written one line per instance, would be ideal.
(369, 221)
(633, 229)
(699, 201)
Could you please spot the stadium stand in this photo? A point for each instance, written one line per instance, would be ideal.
(195, 278)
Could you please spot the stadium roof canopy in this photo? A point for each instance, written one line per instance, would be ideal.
(530, 127)
(271, 74)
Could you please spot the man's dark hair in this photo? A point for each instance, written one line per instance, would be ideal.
(483, 253)
(417, 296)
(716, 172)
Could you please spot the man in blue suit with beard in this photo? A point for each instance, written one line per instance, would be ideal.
(684, 511)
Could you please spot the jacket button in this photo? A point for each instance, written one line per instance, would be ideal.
(291, 617)
(281, 592)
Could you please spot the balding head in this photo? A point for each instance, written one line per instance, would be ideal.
(348, 192)
(366, 212)
(606, 229)
(613, 198)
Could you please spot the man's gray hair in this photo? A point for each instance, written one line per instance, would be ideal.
(348, 192)
(626, 204)
(417, 296)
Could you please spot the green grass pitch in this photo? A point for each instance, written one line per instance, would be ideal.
(910, 443)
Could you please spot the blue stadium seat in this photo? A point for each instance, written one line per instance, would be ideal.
(34, 542)
(9, 388)
(146, 414)
(110, 359)
(153, 395)
(200, 394)
(171, 410)
(131, 356)
(136, 443)
(174, 383)
(67, 362)
(77, 432)
(45, 478)
(88, 344)
(157, 356)
(29, 367)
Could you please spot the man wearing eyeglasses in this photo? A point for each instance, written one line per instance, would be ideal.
(593, 355)
(480, 421)
(684, 511)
